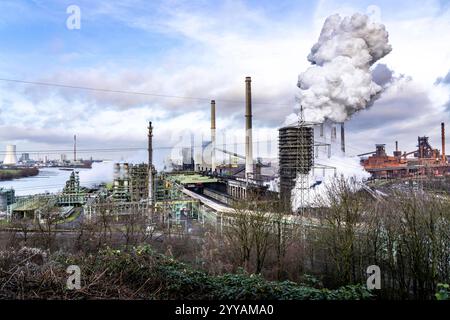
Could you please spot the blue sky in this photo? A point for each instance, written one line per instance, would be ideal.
(202, 49)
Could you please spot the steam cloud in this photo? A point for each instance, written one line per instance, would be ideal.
(340, 83)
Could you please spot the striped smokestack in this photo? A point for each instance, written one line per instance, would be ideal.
(248, 128)
(213, 135)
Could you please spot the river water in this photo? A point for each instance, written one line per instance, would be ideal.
(53, 179)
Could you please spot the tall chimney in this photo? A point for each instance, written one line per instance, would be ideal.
(342, 138)
(248, 128)
(192, 152)
(235, 159)
(333, 133)
(397, 153)
(444, 157)
(74, 148)
(213, 135)
(150, 165)
(225, 147)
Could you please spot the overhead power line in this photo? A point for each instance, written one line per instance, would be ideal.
(151, 94)
(107, 150)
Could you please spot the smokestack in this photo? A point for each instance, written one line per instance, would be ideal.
(248, 128)
(444, 157)
(235, 148)
(225, 147)
(150, 164)
(213, 135)
(397, 153)
(192, 152)
(342, 138)
(333, 133)
(75, 148)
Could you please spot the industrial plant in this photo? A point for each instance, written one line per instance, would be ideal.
(424, 162)
(301, 200)
(204, 187)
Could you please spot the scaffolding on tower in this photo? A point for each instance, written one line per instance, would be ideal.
(296, 161)
(305, 138)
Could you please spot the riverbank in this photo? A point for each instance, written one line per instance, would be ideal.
(9, 174)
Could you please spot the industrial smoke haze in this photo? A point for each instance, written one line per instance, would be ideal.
(101, 172)
(347, 168)
(340, 82)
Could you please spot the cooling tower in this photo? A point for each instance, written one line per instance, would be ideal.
(10, 157)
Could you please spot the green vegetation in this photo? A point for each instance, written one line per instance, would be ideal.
(141, 273)
(443, 291)
(8, 174)
(253, 255)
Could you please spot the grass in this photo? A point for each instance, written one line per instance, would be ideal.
(10, 171)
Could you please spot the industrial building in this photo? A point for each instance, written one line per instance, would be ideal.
(228, 183)
(425, 161)
(206, 185)
(7, 197)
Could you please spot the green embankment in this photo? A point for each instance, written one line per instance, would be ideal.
(8, 174)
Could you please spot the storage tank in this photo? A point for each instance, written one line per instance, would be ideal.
(10, 157)
(295, 157)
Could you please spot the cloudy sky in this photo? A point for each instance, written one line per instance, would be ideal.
(204, 50)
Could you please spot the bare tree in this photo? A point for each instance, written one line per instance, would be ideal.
(341, 227)
(249, 232)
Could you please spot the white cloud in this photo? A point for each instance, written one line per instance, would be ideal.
(215, 50)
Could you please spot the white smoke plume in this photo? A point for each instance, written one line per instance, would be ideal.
(340, 82)
(320, 181)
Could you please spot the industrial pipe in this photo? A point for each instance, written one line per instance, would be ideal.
(151, 193)
(75, 148)
(333, 133)
(248, 128)
(444, 157)
(213, 135)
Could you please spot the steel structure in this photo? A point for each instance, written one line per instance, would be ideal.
(295, 160)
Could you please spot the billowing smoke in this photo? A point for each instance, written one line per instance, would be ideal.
(340, 82)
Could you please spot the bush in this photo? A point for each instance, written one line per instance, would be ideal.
(141, 273)
(443, 291)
